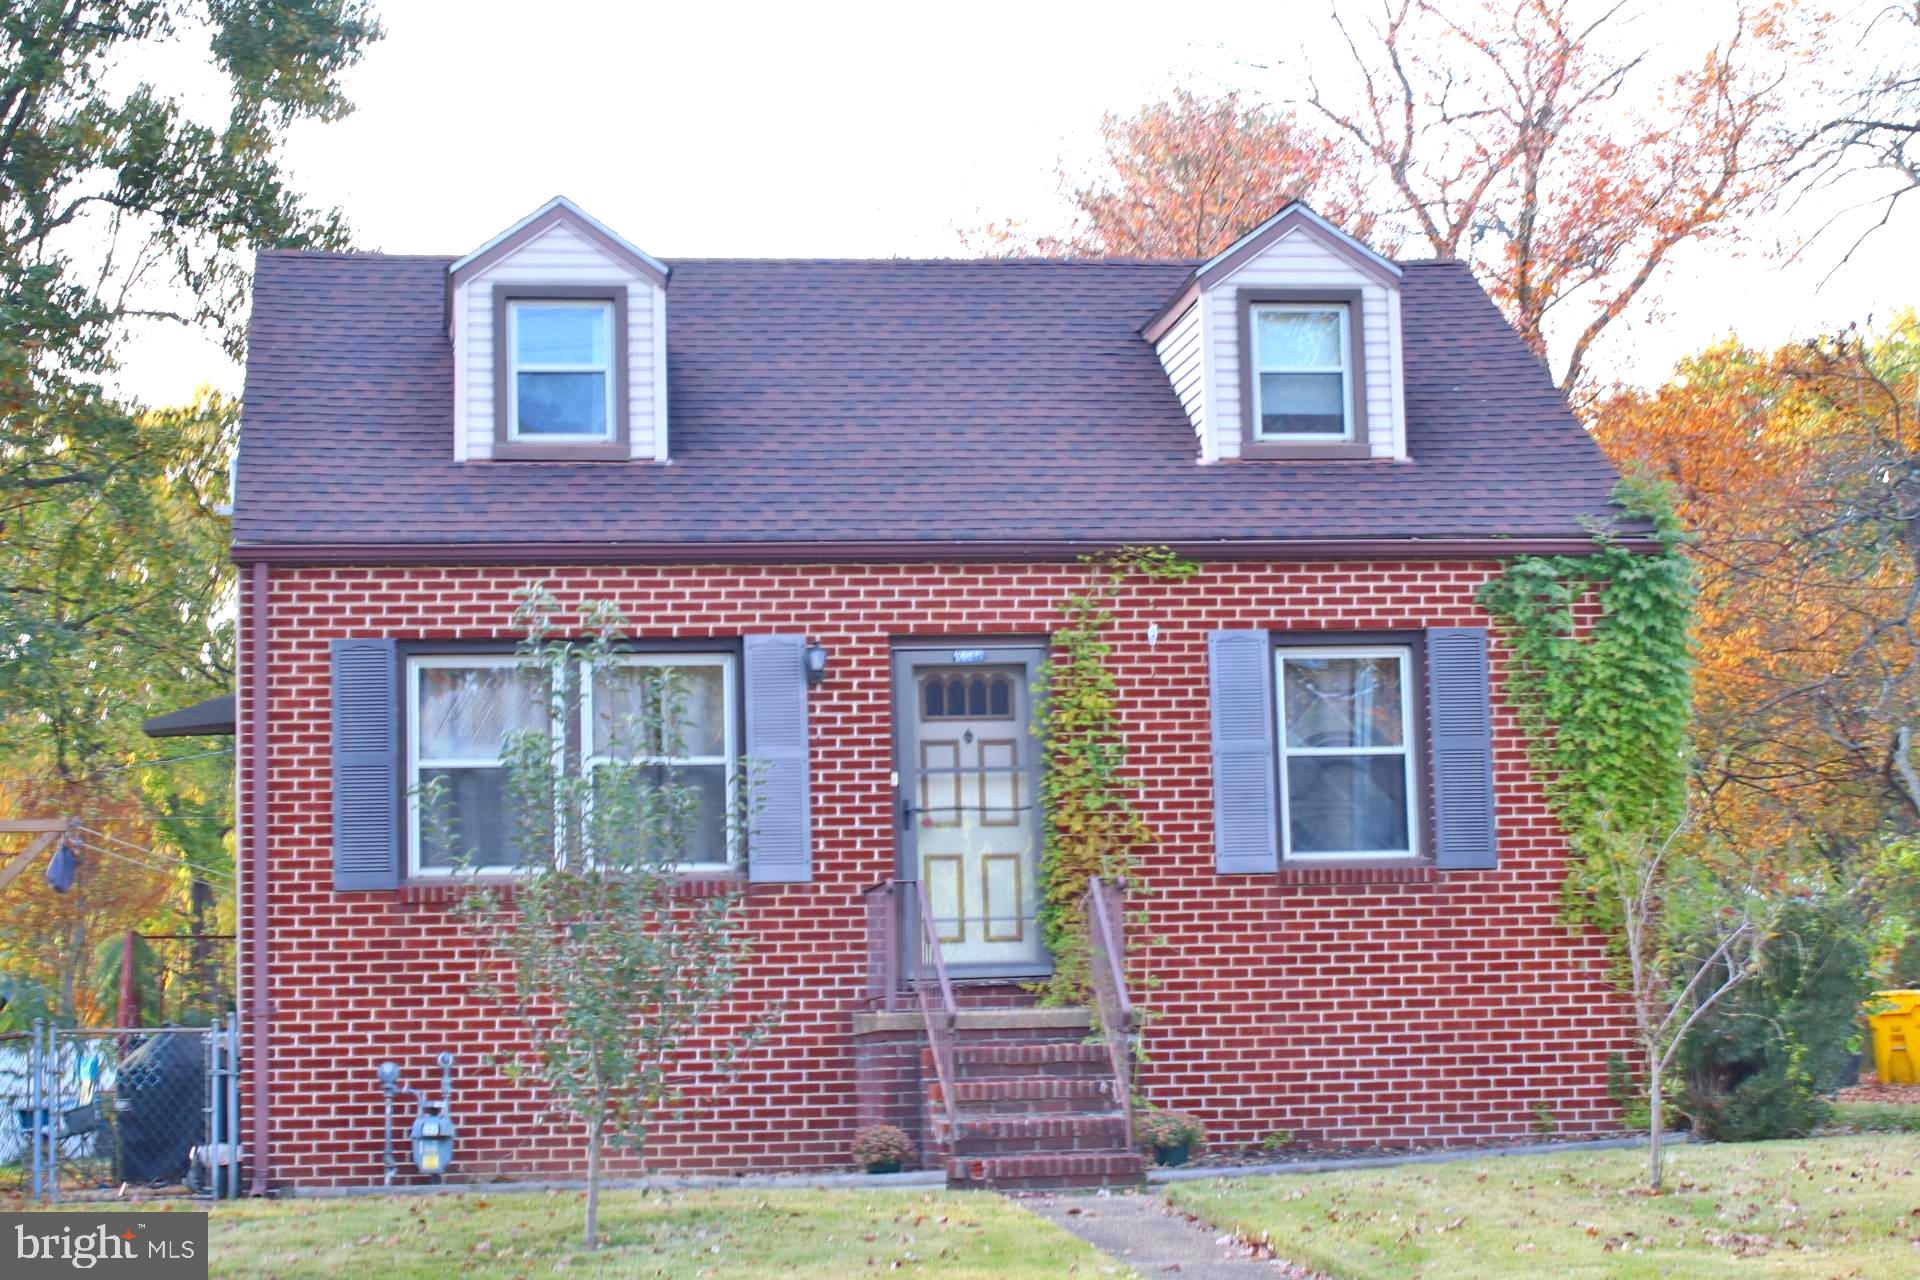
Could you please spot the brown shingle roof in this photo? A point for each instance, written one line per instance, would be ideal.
(828, 401)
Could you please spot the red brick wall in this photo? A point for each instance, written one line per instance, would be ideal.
(1408, 1013)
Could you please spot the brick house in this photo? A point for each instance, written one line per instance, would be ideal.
(844, 499)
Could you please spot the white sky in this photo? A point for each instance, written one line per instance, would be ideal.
(863, 131)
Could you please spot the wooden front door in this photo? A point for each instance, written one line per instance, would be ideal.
(968, 772)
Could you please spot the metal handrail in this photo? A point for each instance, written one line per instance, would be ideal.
(1107, 972)
(935, 993)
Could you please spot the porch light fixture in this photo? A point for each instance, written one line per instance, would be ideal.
(815, 657)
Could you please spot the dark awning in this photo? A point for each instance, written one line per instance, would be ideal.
(212, 717)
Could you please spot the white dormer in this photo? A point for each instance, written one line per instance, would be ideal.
(559, 332)
(1287, 345)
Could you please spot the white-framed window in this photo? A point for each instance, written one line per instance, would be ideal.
(1346, 754)
(696, 748)
(1302, 374)
(560, 374)
(461, 709)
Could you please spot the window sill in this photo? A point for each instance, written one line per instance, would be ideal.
(1275, 451)
(1359, 873)
(522, 451)
(692, 884)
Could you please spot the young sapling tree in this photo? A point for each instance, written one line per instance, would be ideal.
(617, 974)
(1686, 942)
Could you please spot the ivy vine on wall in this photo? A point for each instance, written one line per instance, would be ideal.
(1604, 706)
(1090, 825)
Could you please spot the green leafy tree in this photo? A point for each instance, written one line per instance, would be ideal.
(617, 974)
(133, 189)
(119, 207)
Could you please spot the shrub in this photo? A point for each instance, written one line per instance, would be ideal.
(1756, 1064)
(1164, 1129)
(1627, 1093)
(881, 1144)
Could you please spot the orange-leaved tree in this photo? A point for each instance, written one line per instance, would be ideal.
(1536, 139)
(1188, 175)
(1539, 140)
(1798, 471)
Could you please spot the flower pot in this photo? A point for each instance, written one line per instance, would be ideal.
(1171, 1156)
(884, 1166)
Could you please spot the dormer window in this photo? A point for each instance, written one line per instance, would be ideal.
(1303, 385)
(1300, 372)
(560, 385)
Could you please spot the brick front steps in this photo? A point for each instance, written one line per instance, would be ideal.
(1033, 1115)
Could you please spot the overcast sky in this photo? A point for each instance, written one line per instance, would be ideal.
(862, 131)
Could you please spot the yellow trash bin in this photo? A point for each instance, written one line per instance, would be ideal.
(1896, 1037)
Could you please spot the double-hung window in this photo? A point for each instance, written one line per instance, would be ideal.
(1346, 753)
(463, 711)
(689, 744)
(560, 382)
(1302, 379)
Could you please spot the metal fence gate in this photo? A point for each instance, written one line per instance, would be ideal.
(99, 1110)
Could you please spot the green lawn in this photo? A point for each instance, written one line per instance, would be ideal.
(737, 1234)
(1825, 1209)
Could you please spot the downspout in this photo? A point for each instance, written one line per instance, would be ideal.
(257, 863)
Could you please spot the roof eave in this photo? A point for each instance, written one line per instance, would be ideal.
(842, 551)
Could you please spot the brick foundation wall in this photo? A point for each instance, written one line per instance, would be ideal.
(1439, 1009)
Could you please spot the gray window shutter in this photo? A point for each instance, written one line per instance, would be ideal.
(1245, 815)
(1458, 702)
(779, 839)
(366, 765)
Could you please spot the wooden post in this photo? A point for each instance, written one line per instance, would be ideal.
(44, 832)
(129, 1015)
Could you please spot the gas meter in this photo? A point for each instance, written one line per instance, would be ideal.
(432, 1139)
(431, 1134)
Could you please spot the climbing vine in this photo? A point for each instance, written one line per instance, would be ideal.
(1090, 825)
(1601, 676)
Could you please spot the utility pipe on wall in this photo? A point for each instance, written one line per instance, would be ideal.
(257, 861)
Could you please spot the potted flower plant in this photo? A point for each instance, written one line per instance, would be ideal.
(1170, 1135)
(881, 1148)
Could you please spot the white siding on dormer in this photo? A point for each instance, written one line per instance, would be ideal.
(1299, 261)
(560, 256)
(1182, 355)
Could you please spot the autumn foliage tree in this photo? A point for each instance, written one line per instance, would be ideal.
(1538, 140)
(1798, 471)
(1188, 175)
(1873, 135)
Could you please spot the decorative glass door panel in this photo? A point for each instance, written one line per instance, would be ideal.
(969, 817)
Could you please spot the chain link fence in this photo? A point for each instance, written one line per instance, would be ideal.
(99, 1111)
(17, 1057)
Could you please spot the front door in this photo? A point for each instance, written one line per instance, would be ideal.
(969, 814)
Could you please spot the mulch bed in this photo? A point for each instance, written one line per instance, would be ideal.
(1871, 1090)
(1229, 1158)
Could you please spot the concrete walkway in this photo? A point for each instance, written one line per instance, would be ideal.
(1137, 1230)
